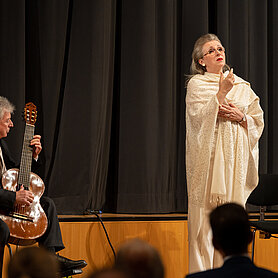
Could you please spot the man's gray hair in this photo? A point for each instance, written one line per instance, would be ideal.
(5, 106)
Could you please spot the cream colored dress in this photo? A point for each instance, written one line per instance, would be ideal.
(221, 158)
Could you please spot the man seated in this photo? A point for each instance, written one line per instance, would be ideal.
(52, 238)
(231, 235)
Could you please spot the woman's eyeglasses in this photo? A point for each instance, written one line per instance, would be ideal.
(212, 51)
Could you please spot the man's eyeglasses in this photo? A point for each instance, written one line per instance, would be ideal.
(212, 51)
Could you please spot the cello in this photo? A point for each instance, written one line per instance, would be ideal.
(26, 223)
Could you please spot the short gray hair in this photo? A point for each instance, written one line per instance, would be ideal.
(5, 106)
(197, 54)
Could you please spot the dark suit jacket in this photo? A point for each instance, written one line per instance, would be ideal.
(7, 198)
(236, 267)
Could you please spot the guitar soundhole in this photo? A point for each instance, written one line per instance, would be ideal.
(19, 186)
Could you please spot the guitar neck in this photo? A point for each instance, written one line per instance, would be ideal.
(26, 157)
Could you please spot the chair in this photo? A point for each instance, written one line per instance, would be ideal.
(265, 194)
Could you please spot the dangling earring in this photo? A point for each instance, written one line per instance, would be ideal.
(203, 65)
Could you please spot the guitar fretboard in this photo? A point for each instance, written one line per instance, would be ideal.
(26, 157)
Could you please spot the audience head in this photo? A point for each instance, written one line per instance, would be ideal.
(33, 262)
(230, 229)
(139, 259)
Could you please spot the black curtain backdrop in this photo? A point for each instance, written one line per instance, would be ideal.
(107, 78)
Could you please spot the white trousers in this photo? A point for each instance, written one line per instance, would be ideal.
(202, 255)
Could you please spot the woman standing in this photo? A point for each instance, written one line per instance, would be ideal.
(224, 122)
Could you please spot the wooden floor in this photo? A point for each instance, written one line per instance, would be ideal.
(85, 238)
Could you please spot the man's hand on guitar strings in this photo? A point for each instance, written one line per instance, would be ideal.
(24, 197)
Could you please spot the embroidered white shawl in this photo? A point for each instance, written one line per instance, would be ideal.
(235, 149)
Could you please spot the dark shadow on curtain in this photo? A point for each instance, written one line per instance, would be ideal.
(12, 65)
(112, 175)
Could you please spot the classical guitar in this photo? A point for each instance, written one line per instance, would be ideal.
(26, 223)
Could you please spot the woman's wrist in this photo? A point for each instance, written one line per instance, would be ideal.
(243, 119)
(221, 96)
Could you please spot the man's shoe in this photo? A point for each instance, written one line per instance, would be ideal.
(70, 272)
(66, 264)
